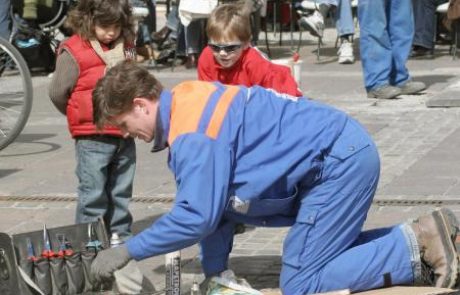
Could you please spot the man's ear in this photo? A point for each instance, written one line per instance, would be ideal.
(140, 104)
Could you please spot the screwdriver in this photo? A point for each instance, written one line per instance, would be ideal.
(47, 251)
(30, 251)
(65, 249)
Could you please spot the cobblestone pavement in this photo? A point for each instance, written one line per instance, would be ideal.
(418, 148)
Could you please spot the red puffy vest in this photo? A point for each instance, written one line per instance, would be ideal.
(80, 105)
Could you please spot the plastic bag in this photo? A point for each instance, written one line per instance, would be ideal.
(228, 284)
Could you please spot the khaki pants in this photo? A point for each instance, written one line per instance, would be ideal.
(30, 7)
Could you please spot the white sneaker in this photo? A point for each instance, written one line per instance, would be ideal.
(345, 53)
(314, 23)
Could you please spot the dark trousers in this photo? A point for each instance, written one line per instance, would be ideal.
(425, 21)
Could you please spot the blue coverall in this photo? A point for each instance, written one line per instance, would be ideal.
(252, 155)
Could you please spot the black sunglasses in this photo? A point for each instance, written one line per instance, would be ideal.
(227, 48)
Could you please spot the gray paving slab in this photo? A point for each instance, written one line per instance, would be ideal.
(446, 98)
(418, 149)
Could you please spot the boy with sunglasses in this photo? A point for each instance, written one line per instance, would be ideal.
(230, 59)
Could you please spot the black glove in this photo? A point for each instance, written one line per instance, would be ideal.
(108, 261)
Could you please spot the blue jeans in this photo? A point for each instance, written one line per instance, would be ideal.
(343, 16)
(424, 18)
(105, 171)
(5, 21)
(326, 248)
(387, 30)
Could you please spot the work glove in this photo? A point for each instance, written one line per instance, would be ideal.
(108, 261)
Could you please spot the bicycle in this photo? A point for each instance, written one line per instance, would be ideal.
(16, 93)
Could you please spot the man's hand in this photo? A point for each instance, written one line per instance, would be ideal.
(108, 261)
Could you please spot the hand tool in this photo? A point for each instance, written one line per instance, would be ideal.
(30, 251)
(47, 251)
(92, 245)
(65, 248)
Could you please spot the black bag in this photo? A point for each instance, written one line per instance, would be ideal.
(35, 47)
(62, 274)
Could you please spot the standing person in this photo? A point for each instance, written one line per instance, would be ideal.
(387, 30)
(230, 59)
(105, 160)
(314, 23)
(255, 156)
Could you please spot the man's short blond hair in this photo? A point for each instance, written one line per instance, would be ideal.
(229, 22)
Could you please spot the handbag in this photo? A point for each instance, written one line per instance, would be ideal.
(195, 9)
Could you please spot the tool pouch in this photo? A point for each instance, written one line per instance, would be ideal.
(62, 274)
(42, 275)
(87, 258)
(58, 276)
(74, 272)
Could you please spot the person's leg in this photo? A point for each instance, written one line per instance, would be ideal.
(193, 42)
(401, 31)
(344, 18)
(424, 11)
(375, 43)
(29, 13)
(345, 31)
(5, 21)
(120, 187)
(172, 22)
(93, 156)
(330, 220)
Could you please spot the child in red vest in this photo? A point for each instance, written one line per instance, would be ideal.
(103, 36)
(230, 59)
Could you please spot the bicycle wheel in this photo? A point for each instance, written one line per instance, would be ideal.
(15, 93)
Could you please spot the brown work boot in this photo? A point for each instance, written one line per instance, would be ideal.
(436, 233)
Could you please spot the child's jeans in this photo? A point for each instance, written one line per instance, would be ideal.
(105, 171)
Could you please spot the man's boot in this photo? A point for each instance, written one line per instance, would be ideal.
(436, 233)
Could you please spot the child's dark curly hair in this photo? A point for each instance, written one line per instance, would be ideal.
(89, 13)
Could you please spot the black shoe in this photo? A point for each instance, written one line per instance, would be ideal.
(420, 51)
(165, 55)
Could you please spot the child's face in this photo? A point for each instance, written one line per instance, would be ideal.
(107, 34)
(227, 53)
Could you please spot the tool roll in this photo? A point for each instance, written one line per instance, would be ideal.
(56, 261)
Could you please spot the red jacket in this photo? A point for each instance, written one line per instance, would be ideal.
(251, 69)
(80, 105)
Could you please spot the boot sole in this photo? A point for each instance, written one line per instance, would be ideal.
(448, 227)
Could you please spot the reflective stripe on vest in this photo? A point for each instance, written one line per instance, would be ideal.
(199, 107)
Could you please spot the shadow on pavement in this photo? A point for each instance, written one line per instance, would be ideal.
(38, 146)
(6, 172)
(144, 223)
(435, 79)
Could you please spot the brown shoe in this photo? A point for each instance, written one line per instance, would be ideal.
(161, 35)
(191, 61)
(436, 233)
